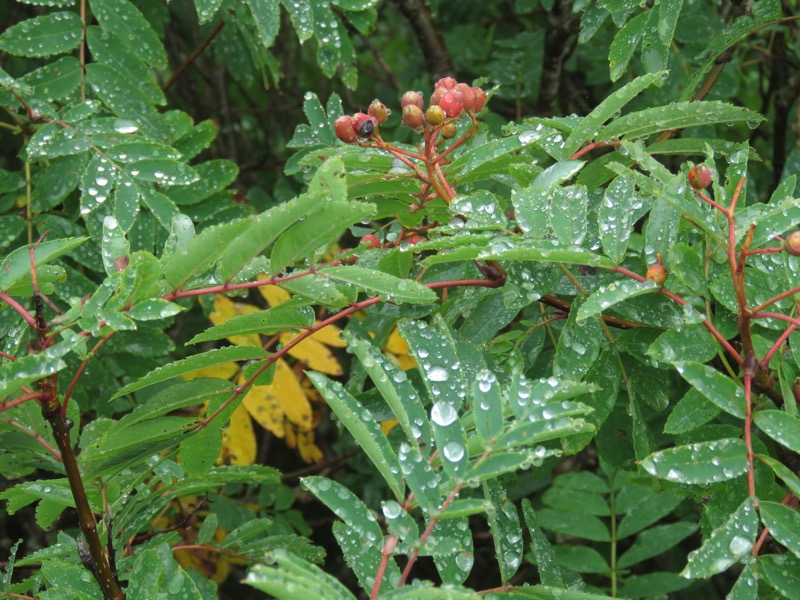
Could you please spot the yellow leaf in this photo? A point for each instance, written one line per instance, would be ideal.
(283, 398)
(309, 451)
(238, 440)
(273, 294)
(398, 347)
(396, 344)
(225, 309)
(388, 425)
(213, 565)
(329, 335)
(313, 354)
(223, 371)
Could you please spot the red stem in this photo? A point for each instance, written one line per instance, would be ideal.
(778, 343)
(8, 405)
(706, 323)
(778, 298)
(588, 148)
(228, 287)
(28, 318)
(39, 439)
(749, 373)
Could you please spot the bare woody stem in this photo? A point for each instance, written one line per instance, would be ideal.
(51, 411)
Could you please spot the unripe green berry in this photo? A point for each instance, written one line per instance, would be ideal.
(412, 116)
(435, 115)
(378, 110)
(449, 130)
(700, 176)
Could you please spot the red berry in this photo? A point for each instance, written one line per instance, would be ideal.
(449, 131)
(412, 116)
(364, 125)
(700, 176)
(378, 110)
(792, 243)
(414, 240)
(435, 115)
(480, 99)
(414, 98)
(447, 83)
(452, 102)
(371, 240)
(344, 129)
(470, 97)
(437, 95)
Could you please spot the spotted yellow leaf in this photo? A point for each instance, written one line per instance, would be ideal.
(238, 440)
(273, 294)
(309, 451)
(283, 399)
(225, 309)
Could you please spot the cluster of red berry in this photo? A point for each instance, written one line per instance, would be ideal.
(449, 100)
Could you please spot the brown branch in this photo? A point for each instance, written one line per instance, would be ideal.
(431, 42)
(194, 55)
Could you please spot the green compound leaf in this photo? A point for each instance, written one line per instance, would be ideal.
(783, 573)
(266, 14)
(613, 293)
(200, 254)
(399, 393)
(505, 527)
(624, 45)
(266, 322)
(43, 36)
(722, 391)
(591, 123)
(487, 406)
(783, 524)
(194, 363)
(614, 217)
(364, 428)
(264, 230)
(781, 427)
(302, 18)
(791, 480)
(125, 21)
(295, 578)
(17, 264)
(701, 463)
(388, 287)
(317, 230)
(676, 116)
(727, 545)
